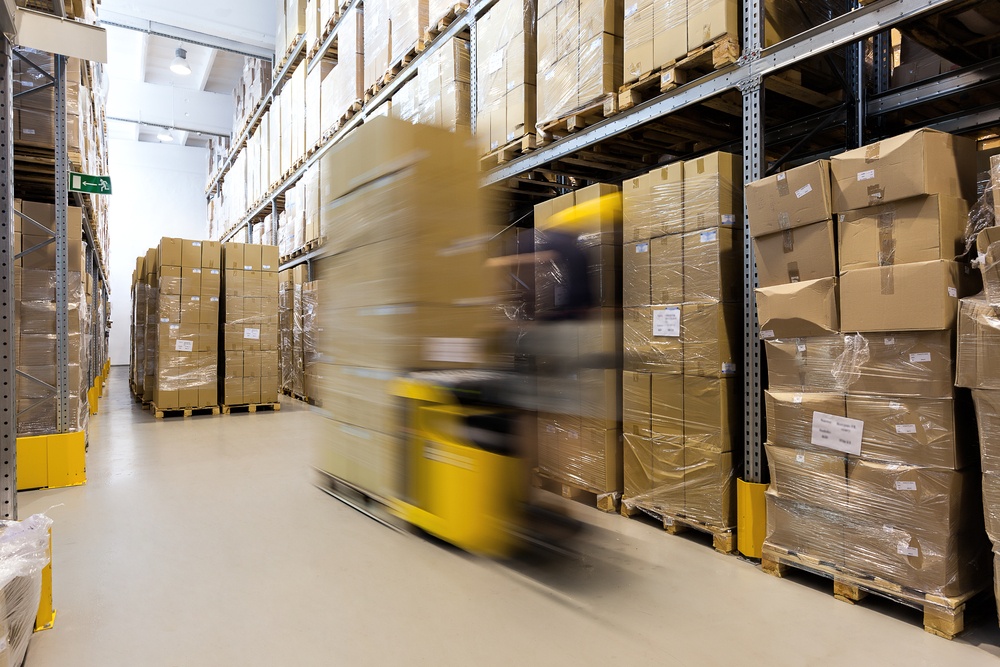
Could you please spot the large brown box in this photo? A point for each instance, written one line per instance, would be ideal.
(709, 487)
(911, 363)
(987, 402)
(978, 357)
(170, 252)
(652, 339)
(809, 476)
(667, 405)
(712, 412)
(804, 364)
(796, 255)
(790, 416)
(711, 338)
(666, 268)
(793, 198)
(798, 310)
(917, 431)
(667, 494)
(922, 296)
(713, 265)
(922, 162)
(912, 230)
(713, 192)
(805, 529)
(636, 290)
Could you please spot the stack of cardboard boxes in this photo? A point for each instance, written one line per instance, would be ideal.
(291, 24)
(140, 293)
(345, 83)
(439, 94)
(579, 55)
(188, 276)
(249, 353)
(978, 353)
(290, 331)
(403, 287)
(505, 71)
(34, 101)
(873, 468)
(392, 28)
(682, 291)
(35, 320)
(579, 403)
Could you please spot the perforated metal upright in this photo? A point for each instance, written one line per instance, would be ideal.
(8, 363)
(62, 249)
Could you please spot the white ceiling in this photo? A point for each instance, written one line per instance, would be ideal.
(143, 90)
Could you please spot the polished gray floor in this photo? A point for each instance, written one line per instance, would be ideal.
(203, 542)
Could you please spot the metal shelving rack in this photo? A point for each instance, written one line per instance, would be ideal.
(867, 102)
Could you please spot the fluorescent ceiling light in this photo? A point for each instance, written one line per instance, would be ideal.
(179, 65)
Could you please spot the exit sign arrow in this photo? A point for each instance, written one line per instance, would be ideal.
(95, 185)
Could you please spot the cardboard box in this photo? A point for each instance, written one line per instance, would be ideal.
(211, 255)
(635, 209)
(804, 364)
(190, 253)
(914, 363)
(637, 464)
(713, 265)
(713, 413)
(912, 230)
(790, 199)
(713, 192)
(666, 267)
(669, 31)
(790, 416)
(170, 252)
(978, 357)
(922, 162)
(809, 476)
(712, 333)
(805, 529)
(232, 256)
(798, 310)
(655, 334)
(987, 403)
(667, 405)
(988, 251)
(909, 297)
(190, 281)
(667, 198)
(667, 494)
(710, 19)
(917, 431)
(710, 487)
(171, 281)
(636, 288)
(796, 255)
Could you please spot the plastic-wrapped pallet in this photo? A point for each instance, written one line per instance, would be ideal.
(386, 46)
(506, 73)
(439, 94)
(24, 553)
(579, 55)
(345, 85)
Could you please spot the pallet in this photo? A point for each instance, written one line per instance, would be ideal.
(508, 152)
(606, 502)
(308, 247)
(251, 407)
(160, 413)
(552, 130)
(439, 25)
(943, 616)
(297, 396)
(277, 69)
(723, 538)
(719, 53)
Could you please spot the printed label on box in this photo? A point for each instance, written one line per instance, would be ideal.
(667, 323)
(801, 347)
(184, 346)
(196, 244)
(800, 458)
(251, 334)
(729, 219)
(196, 298)
(893, 405)
(803, 191)
(797, 399)
(175, 327)
(495, 62)
(906, 428)
(866, 175)
(728, 369)
(890, 341)
(642, 247)
(195, 270)
(248, 268)
(453, 350)
(709, 237)
(952, 292)
(842, 434)
(767, 333)
(920, 357)
(906, 486)
(214, 272)
(905, 549)
(213, 299)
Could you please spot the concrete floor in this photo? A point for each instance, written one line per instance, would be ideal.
(203, 542)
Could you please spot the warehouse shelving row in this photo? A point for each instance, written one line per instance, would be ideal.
(753, 106)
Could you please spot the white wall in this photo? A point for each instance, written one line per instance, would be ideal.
(159, 190)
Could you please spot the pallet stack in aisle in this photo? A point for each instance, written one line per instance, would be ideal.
(404, 218)
(682, 267)
(248, 356)
(874, 474)
(35, 321)
(505, 72)
(978, 352)
(290, 331)
(188, 279)
(579, 58)
(579, 388)
(140, 293)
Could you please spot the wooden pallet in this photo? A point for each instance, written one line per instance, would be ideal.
(160, 413)
(707, 58)
(943, 616)
(508, 152)
(723, 538)
(285, 58)
(308, 247)
(297, 396)
(606, 502)
(441, 24)
(251, 407)
(598, 110)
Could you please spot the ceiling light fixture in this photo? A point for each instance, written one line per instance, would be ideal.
(165, 136)
(179, 65)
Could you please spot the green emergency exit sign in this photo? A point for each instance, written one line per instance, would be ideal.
(95, 185)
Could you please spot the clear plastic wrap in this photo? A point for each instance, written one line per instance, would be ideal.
(786, 18)
(24, 553)
(385, 46)
(506, 73)
(285, 333)
(311, 337)
(983, 234)
(439, 94)
(713, 192)
(987, 403)
(653, 204)
(357, 67)
(409, 20)
(578, 451)
(580, 54)
(978, 365)
(655, 34)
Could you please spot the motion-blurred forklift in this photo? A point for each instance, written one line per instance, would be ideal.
(466, 463)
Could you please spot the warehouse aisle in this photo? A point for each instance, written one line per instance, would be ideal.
(202, 542)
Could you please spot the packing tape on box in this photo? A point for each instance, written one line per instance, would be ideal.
(872, 152)
(783, 189)
(876, 195)
(886, 236)
(888, 281)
